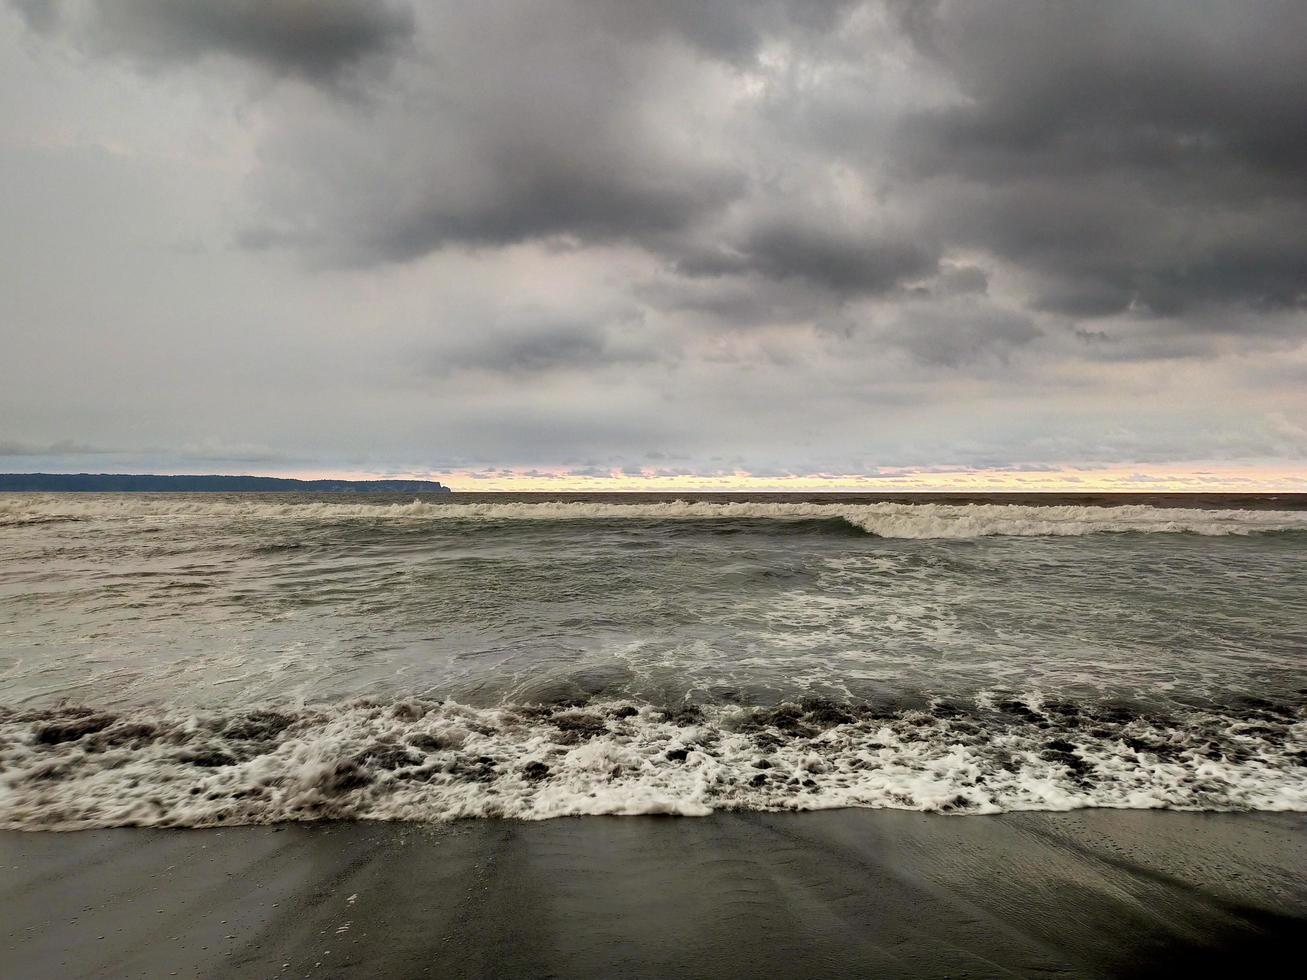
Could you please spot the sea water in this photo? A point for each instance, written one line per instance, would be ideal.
(198, 660)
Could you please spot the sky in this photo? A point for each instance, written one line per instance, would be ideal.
(599, 244)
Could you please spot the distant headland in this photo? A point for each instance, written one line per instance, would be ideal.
(150, 483)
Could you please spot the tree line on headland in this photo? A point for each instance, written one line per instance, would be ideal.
(150, 483)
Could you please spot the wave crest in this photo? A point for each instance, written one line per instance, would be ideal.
(885, 519)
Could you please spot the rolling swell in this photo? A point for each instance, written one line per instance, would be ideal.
(75, 767)
(886, 520)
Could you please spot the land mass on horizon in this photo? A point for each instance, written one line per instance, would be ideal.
(153, 483)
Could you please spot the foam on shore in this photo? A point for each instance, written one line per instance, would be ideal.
(75, 767)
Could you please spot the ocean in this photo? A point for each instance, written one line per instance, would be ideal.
(214, 660)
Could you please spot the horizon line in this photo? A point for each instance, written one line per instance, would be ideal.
(1205, 477)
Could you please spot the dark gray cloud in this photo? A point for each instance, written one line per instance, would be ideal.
(612, 195)
(960, 334)
(1127, 156)
(731, 29)
(531, 345)
(1161, 87)
(846, 261)
(1123, 157)
(41, 15)
(315, 38)
(513, 124)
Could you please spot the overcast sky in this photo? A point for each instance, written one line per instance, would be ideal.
(679, 239)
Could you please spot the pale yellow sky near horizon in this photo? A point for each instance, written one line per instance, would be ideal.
(1143, 478)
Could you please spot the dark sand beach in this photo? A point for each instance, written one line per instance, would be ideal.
(836, 893)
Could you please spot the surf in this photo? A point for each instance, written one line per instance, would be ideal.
(76, 767)
(883, 519)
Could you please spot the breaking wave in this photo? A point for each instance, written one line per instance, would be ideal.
(70, 768)
(886, 520)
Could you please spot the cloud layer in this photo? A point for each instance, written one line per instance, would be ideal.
(778, 236)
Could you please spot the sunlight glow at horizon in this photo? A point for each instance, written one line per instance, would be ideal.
(1143, 478)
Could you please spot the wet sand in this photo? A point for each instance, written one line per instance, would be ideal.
(837, 893)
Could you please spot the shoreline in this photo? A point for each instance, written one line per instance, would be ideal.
(839, 892)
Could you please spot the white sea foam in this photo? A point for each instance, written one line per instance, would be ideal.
(67, 769)
(886, 520)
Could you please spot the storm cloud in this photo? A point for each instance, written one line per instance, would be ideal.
(1126, 156)
(311, 37)
(588, 233)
